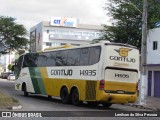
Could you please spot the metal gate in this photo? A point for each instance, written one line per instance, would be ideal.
(149, 82)
(157, 83)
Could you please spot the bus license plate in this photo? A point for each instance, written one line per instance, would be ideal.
(120, 91)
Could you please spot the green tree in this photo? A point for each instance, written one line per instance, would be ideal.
(12, 35)
(126, 20)
(10, 67)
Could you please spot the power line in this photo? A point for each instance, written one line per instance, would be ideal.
(135, 6)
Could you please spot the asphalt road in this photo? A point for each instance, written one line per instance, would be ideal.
(42, 103)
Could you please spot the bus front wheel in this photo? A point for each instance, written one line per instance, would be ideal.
(64, 95)
(75, 97)
(25, 90)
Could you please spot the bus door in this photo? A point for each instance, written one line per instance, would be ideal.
(121, 69)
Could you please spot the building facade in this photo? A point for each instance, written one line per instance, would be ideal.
(61, 31)
(153, 63)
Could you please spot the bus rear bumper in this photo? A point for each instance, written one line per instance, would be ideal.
(118, 98)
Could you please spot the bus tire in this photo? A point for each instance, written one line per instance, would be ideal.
(91, 103)
(75, 97)
(107, 105)
(49, 96)
(25, 93)
(64, 95)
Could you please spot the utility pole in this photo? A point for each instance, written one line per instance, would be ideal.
(143, 79)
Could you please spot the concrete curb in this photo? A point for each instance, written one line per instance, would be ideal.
(143, 107)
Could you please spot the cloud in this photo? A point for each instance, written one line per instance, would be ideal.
(31, 12)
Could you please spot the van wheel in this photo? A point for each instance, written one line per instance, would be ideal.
(75, 97)
(25, 90)
(64, 95)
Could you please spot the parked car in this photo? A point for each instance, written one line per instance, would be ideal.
(5, 75)
(11, 77)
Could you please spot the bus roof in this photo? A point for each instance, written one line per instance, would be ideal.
(87, 45)
(121, 44)
(59, 47)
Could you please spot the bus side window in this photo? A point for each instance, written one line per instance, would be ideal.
(73, 57)
(25, 61)
(51, 58)
(41, 60)
(19, 63)
(33, 60)
(84, 60)
(94, 55)
(61, 58)
(30, 60)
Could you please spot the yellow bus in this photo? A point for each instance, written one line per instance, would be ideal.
(101, 73)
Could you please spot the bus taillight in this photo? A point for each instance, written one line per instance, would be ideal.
(101, 85)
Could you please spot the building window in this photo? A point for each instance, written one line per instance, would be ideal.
(65, 32)
(75, 33)
(76, 44)
(89, 34)
(63, 43)
(98, 34)
(48, 44)
(155, 45)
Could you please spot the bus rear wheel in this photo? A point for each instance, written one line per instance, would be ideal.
(64, 95)
(107, 105)
(75, 97)
(91, 103)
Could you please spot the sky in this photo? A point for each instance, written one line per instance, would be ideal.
(31, 12)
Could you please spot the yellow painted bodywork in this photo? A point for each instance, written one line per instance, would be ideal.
(117, 98)
(130, 87)
(54, 85)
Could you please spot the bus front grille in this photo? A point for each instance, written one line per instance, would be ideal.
(91, 90)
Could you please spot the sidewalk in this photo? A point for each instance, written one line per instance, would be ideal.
(4, 80)
(152, 103)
